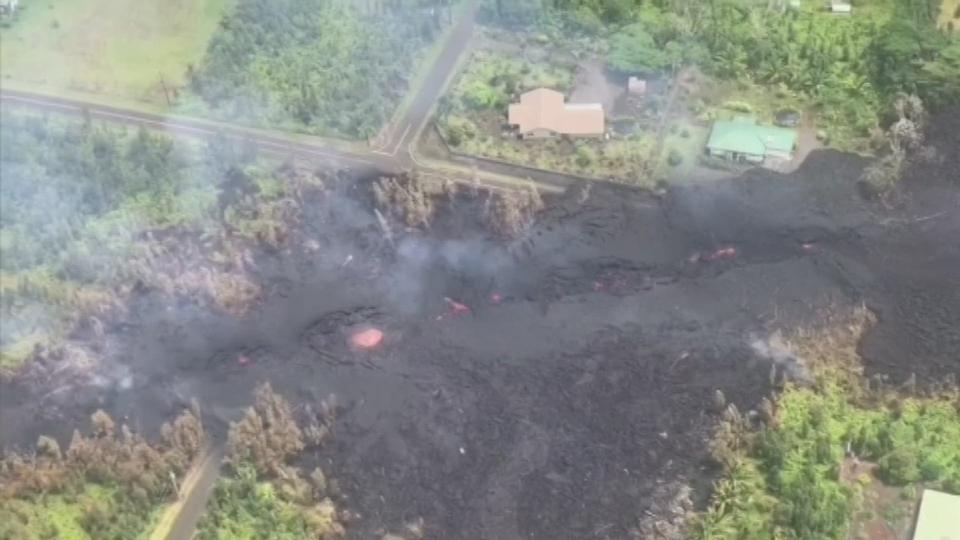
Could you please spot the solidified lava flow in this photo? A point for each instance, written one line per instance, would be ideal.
(565, 409)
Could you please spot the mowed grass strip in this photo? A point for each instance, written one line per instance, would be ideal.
(112, 48)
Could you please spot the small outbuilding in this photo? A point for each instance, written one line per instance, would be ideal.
(742, 139)
(840, 7)
(938, 517)
(636, 86)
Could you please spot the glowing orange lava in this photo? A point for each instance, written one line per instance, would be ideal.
(722, 253)
(367, 339)
(456, 308)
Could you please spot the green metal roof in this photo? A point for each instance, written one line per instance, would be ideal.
(937, 519)
(745, 136)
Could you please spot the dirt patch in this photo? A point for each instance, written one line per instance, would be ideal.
(592, 85)
(886, 512)
(559, 409)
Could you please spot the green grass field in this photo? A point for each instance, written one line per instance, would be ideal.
(107, 48)
(947, 14)
(687, 141)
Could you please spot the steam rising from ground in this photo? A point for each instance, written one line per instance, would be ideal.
(777, 350)
(423, 264)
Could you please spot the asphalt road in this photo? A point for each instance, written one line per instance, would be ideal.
(318, 152)
(277, 145)
(189, 510)
(405, 131)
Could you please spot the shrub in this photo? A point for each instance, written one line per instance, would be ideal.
(585, 156)
(881, 176)
(459, 129)
(454, 137)
(481, 95)
(585, 20)
(674, 158)
(900, 466)
(738, 106)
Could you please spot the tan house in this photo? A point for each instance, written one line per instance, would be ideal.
(543, 113)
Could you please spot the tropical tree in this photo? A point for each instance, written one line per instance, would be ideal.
(633, 50)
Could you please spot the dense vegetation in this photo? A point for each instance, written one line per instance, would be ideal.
(313, 65)
(266, 496)
(104, 487)
(850, 67)
(491, 80)
(243, 508)
(786, 481)
(88, 211)
(791, 478)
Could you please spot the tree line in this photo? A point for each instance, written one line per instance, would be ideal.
(264, 490)
(327, 68)
(853, 67)
(140, 476)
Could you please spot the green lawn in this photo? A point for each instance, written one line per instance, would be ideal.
(109, 48)
(685, 140)
(947, 13)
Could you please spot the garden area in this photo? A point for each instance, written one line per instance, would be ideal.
(89, 211)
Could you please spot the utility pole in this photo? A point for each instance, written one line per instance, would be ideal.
(166, 92)
(173, 480)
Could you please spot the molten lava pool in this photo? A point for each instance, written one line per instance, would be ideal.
(367, 339)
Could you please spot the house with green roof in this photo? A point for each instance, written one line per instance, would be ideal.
(743, 139)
